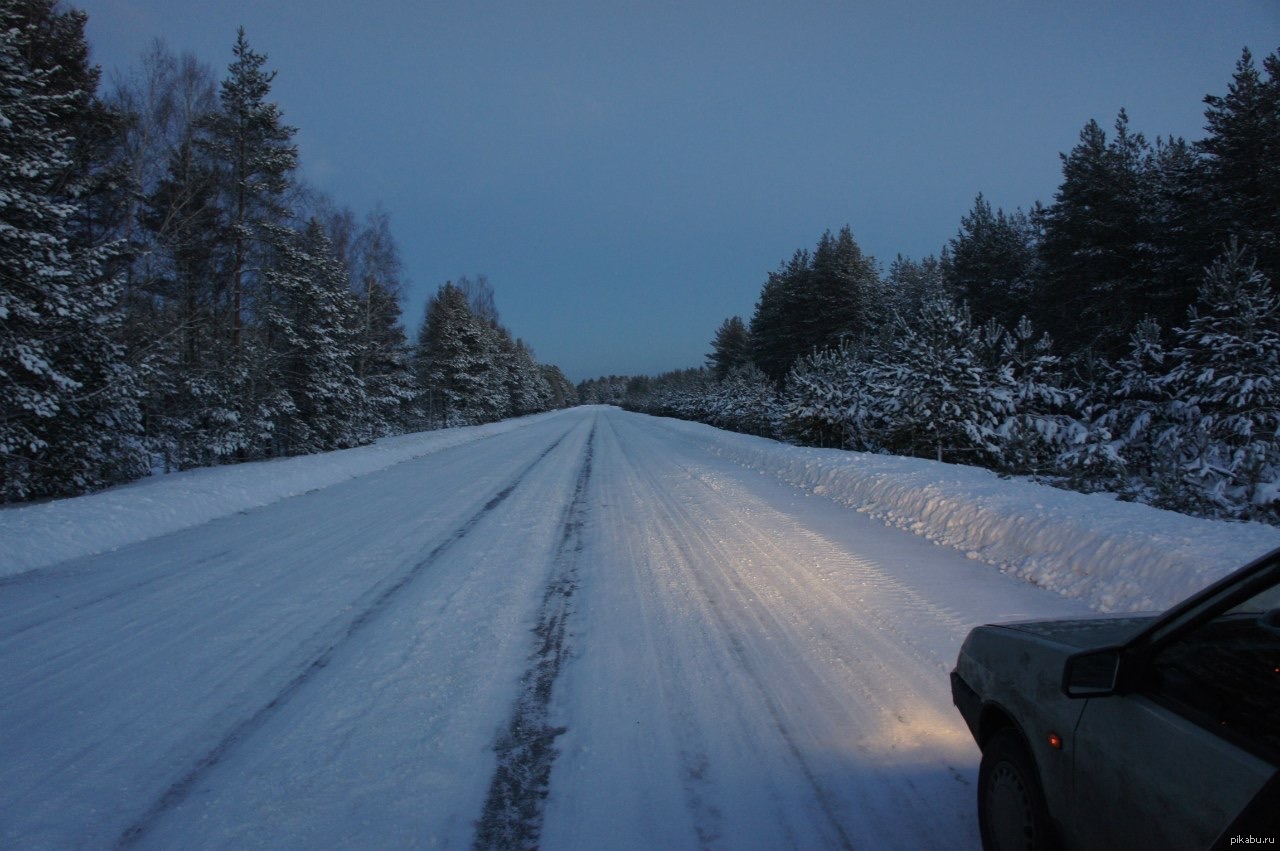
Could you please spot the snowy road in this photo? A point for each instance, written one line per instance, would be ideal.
(678, 651)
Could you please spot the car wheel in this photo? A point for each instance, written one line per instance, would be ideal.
(1011, 808)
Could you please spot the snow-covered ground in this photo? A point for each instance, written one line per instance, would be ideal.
(47, 533)
(685, 638)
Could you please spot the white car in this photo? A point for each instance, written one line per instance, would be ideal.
(1131, 733)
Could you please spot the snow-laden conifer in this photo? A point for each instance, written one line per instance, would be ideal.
(1223, 393)
(313, 328)
(69, 420)
(937, 392)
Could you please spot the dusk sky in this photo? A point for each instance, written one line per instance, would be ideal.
(627, 174)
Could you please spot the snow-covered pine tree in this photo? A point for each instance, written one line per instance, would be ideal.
(173, 328)
(1042, 421)
(383, 359)
(908, 287)
(453, 361)
(777, 333)
(1241, 157)
(842, 284)
(252, 152)
(1120, 450)
(991, 262)
(936, 392)
(824, 400)
(69, 420)
(1096, 252)
(730, 348)
(313, 328)
(1223, 392)
(745, 401)
(814, 302)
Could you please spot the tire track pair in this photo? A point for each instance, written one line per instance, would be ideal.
(380, 602)
(677, 517)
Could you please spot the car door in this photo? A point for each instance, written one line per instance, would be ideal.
(1173, 761)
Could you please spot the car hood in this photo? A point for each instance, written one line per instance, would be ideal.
(1086, 633)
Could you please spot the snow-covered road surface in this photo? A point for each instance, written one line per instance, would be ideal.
(678, 651)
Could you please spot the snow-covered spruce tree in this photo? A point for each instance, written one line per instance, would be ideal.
(69, 420)
(251, 157)
(454, 361)
(1223, 394)
(313, 325)
(494, 374)
(529, 392)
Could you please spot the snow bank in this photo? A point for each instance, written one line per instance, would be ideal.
(39, 535)
(1115, 556)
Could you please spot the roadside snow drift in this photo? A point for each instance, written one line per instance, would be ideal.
(1115, 556)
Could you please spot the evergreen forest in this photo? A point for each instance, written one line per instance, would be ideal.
(173, 295)
(1123, 338)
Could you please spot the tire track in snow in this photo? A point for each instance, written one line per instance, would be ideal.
(239, 732)
(684, 532)
(755, 572)
(512, 814)
(107, 596)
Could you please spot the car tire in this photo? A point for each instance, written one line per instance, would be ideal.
(1012, 814)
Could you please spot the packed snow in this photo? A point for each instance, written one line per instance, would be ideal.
(46, 533)
(583, 629)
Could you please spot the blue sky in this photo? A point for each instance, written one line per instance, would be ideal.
(627, 174)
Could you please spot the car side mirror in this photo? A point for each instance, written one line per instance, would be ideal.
(1093, 673)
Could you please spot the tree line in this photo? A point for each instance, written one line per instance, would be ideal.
(1123, 338)
(173, 295)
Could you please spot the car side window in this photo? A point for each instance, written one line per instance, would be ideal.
(1225, 674)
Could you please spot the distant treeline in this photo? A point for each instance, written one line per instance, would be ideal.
(1124, 338)
(172, 295)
